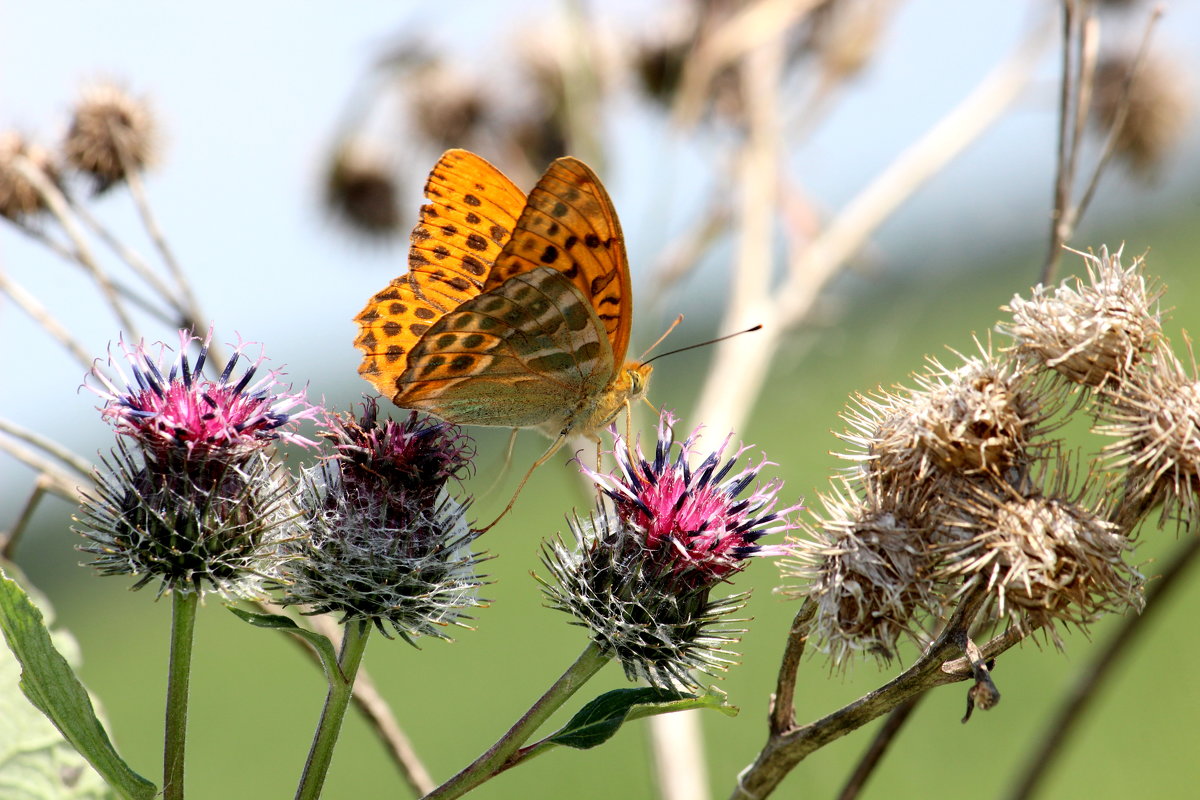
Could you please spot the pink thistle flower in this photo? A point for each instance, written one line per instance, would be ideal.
(191, 496)
(693, 518)
(184, 410)
(642, 575)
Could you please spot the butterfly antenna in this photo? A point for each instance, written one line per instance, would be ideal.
(659, 340)
(554, 448)
(702, 344)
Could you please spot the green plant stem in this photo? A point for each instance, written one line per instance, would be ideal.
(496, 759)
(341, 687)
(183, 626)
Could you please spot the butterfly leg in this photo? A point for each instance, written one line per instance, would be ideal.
(554, 448)
(508, 453)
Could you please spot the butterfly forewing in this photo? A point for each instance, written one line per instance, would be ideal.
(471, 213)
(530, 351)
(569, 224)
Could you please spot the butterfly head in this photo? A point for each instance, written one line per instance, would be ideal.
(635, 380)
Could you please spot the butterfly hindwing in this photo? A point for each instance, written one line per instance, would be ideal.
(528, 351)
(471, 213)
(569, 225)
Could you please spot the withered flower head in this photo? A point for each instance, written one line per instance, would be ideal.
(190, 497)
(1045, 558)
(387, 542)
(19, 198)
(1159, 107)
(1154, 418)
(870, 573)
(447, 105)
(648, 559)
(360, 190)
(845, 35)
(1091, 332)
(983, 417)
(111, 135)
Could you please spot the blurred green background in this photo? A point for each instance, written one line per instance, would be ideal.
(252, 96)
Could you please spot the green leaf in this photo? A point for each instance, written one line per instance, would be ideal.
(599, 719)
(50, 684)
(320, 643)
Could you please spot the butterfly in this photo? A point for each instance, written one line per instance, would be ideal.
(515, 311)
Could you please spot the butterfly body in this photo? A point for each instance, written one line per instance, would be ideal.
(516, 311)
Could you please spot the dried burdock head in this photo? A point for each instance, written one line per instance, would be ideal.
(1155, 420)
(648, 560)
(844, 35)
(190, 497)
(985, 417)
(658, 57)
(870, 573)
(19, 197)
(1091, 332)
(1159, 107)
(112, 134)
(1045, 558)
(387, 543)
(658, 66)
(446, 104)
(361, 190)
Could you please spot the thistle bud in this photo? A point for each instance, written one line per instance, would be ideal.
(387, 542)
(664, 535)
(190, 496)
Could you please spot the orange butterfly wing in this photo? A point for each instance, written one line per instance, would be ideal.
(472, 210)
(569, 224)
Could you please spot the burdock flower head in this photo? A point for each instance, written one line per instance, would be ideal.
(868, 569)
(1045, 557)
(665, 534)
(19, 197)
(1091, 332)
(190, 496)
(388, 543)
(1154, 419)
(112, 134)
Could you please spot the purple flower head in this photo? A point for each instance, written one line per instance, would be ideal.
(190, 496)
(387, 542)
(406, 463)
(174, 408)
(694, 520)
(642, 573)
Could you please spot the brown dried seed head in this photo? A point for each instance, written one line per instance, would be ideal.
(846, 35)
(19, 198)
(1043, 558)
(446, 104)
(1159, 107)
(1155, 419)
(111, 134)
(868, 571)
(979, 418)
(360, 189)
(1094, 332)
